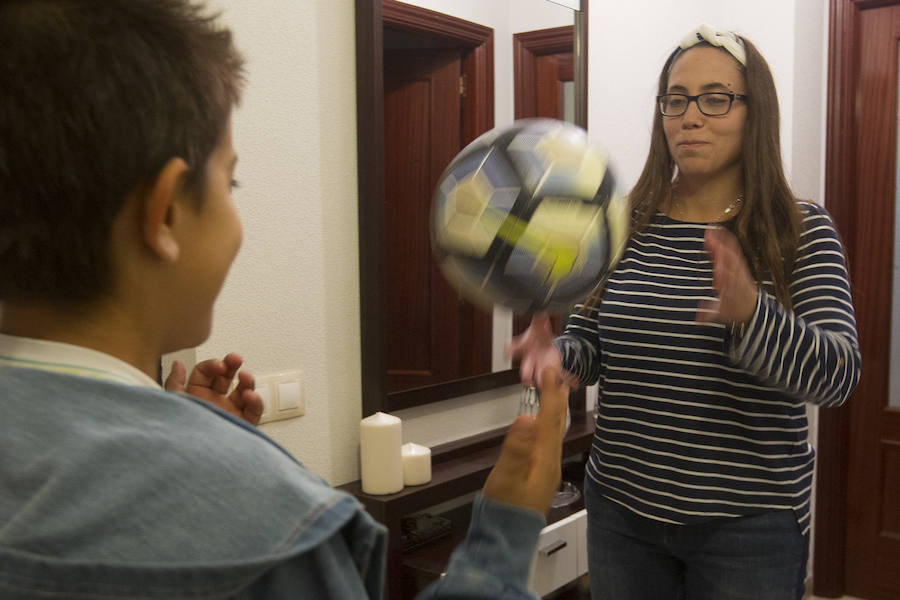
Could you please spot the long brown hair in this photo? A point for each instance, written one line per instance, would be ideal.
(769, 224)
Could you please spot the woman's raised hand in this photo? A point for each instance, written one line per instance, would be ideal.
(735, 289)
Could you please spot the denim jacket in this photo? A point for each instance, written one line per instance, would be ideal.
(112, 491)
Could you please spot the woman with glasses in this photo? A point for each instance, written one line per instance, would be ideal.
(729, 311)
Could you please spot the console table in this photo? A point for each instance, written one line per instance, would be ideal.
(458, 468)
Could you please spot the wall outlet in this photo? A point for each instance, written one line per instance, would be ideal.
(282, 395)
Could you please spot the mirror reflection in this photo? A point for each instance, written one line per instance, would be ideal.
(447, 79)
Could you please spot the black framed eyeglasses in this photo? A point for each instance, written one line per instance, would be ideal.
(711, 104)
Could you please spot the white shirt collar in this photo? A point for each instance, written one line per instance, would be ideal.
(58, 357)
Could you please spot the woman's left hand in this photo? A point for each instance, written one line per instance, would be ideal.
(735, 289)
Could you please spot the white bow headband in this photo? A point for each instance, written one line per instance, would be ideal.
(723, 39)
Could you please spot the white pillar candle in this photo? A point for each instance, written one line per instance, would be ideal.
(380, 439)
(416, 464)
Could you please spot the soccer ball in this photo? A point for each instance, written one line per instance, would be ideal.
(528, 217)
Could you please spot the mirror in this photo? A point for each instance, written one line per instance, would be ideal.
(389, 26)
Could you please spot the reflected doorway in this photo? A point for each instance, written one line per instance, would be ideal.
(544, 83)
(432, 334)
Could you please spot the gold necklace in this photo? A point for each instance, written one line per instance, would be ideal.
(676, 202)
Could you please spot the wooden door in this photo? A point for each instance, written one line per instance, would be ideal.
(873, 524)
(553, 72)
(858, 496)
(429, 337)
(543, 61)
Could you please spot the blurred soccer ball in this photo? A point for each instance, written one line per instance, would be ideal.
(529, 217)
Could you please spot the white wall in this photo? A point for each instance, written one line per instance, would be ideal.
(291, 301)
(809, 99)
(627, 49)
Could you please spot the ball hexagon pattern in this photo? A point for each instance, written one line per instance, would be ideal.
(529, 217)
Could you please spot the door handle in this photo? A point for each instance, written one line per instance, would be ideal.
(552, 548)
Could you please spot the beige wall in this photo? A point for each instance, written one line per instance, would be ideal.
(291, 301)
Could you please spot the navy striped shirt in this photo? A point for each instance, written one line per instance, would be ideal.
(694, 423)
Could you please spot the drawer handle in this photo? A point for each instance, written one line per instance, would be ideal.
(552, 548)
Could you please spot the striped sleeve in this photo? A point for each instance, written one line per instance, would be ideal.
(579, 345)
(812, 351)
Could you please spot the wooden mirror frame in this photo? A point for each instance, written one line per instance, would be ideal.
(371, 215)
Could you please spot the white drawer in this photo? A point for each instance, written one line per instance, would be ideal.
(558, 558)
(581, 527)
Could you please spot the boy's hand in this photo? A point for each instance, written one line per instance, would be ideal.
(527, 474)
(210, 381)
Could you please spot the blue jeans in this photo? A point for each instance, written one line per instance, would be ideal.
(630, 557)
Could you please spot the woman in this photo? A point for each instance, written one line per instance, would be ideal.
(729, 310)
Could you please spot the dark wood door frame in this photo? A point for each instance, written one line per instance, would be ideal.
(834, 430)
(478, 64)
(834, 424)
(527, 47)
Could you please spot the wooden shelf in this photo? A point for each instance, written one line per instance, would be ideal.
(458, 469)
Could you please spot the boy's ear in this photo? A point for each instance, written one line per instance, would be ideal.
(160, 208)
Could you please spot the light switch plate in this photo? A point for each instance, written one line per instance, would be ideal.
(285, 392)
(265, 391)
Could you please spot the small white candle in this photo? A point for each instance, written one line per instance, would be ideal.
(416, 464)
(380, 438)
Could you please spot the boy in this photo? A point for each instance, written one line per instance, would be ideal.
(116, 234)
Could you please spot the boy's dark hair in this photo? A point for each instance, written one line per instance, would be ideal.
(95, 97)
